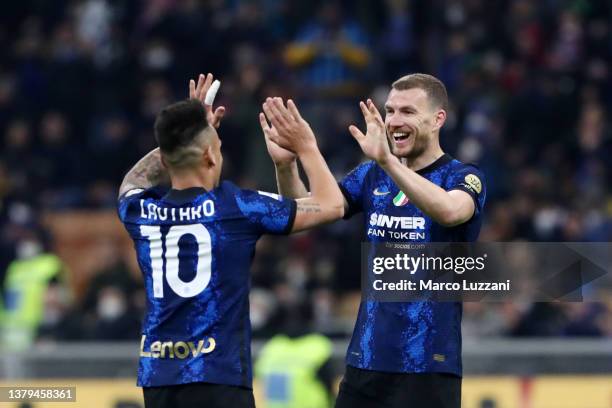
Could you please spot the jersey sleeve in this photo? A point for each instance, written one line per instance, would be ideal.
(352, 186)
(127, 199)
(128, 205)
(470, 179)
(270, 213)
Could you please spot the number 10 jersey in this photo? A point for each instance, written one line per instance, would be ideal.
(194, 249)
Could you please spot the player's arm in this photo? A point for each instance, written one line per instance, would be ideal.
(290, 131)
(326, 202)
(288, 178)
(447, 208)
(148, 172)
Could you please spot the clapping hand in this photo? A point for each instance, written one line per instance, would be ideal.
(199, 92)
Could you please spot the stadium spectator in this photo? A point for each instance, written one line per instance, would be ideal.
(294, 367)
(330, 53)
(29, 277)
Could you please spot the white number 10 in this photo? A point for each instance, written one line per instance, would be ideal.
(180, 287)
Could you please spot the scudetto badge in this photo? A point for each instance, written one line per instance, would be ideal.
(473, 182)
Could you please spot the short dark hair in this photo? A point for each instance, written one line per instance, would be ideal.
(178, 125)
(433, 87)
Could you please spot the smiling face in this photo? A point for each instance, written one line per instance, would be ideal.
(412, 122)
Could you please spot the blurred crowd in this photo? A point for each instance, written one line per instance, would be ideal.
(530, 83)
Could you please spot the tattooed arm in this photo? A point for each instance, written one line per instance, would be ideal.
(148, 172)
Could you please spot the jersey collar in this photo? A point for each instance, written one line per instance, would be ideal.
(444, 159)
(186, 195)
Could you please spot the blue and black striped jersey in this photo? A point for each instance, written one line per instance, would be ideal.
(194, 249)
(417, 336)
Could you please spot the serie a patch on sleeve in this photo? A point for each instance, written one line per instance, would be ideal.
(472, 183)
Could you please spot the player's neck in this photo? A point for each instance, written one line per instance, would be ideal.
(185, 180)
(424, 159)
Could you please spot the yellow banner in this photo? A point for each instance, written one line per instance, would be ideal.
(478, 392)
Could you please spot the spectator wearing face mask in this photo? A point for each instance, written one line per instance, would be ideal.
(115, 318)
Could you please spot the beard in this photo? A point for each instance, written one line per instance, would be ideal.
(412, 151)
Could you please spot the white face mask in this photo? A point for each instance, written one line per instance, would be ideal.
(262, 305)
(52, 315)
(110, 307)
(56, 300)
(28, 249)
(258, 318)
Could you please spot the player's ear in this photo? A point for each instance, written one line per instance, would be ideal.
(163, 160)
(209, 158)
(440, 119)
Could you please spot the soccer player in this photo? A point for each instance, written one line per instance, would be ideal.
(195, 243)
(403, 354)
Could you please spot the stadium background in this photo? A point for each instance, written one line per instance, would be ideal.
(81, 81)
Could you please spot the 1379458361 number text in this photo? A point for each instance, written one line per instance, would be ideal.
(37, 394)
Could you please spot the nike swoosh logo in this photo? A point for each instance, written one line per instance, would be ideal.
(380, 193)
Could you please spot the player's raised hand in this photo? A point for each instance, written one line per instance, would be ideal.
(279, 155)
(374, 143)
(205, 91)
(292, 131)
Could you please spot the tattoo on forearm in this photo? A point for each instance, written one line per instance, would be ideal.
(309, 207)
(148, 172)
